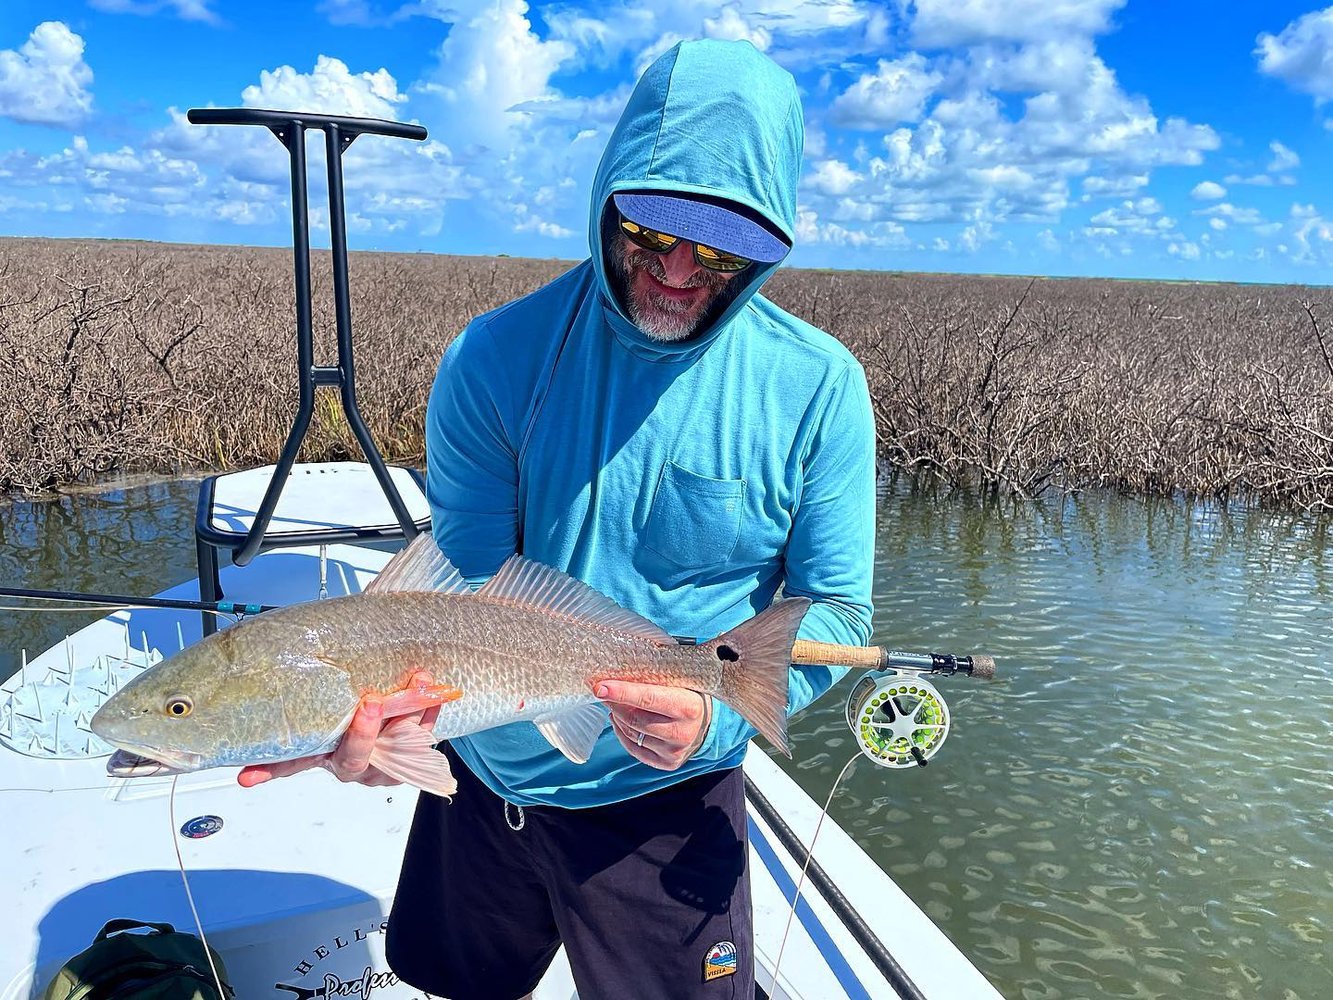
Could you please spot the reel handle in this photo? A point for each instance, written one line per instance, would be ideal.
(878, 658)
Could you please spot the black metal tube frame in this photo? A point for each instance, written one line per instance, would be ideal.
(339, 132)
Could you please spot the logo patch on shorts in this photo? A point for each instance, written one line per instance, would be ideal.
(720, 961)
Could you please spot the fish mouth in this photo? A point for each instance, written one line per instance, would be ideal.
(128, 764)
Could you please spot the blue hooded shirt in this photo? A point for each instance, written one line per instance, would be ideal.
(686, 480)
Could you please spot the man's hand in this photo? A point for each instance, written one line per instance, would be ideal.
(351, 760)
(661, 726)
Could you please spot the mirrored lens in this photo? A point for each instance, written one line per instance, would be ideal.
(719, 260)
(649, 239)
(705, 256)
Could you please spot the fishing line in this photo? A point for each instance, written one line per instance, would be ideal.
(199, 924)
(809, 854)
(81, 607)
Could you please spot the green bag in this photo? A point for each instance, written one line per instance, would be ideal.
(164, 964)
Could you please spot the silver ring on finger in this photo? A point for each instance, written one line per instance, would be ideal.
(639, 739)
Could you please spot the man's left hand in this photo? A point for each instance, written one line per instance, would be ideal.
(661, 726)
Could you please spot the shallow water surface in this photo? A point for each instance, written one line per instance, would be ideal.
(1139, 806)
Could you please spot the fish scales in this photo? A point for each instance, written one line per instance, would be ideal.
(514, 654)
(530, 645)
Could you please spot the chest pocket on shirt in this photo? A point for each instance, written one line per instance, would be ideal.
(694, 520)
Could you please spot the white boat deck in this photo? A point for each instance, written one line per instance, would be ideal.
(316, 495)
(295, 886)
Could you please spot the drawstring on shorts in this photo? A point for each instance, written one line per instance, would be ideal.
(521, 818)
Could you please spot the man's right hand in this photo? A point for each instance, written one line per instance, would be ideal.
(351, 760)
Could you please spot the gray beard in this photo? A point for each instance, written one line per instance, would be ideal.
(667, 320)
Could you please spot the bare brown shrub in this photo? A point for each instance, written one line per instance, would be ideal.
(1025, 385)
(123, 357)
(120, 357)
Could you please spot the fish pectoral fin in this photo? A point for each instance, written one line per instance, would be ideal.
(574, 732)
(406, 751)
(416, 697)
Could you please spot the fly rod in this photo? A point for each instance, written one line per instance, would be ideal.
(77, 597)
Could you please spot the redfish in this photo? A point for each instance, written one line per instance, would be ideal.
(529, 645)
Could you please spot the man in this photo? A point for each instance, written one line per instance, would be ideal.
(651, 425)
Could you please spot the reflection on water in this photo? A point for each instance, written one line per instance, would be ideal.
(1139, 807)
(135, 541)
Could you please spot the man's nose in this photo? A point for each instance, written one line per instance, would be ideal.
(679, 263)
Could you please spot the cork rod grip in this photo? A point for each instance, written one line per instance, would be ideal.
(834, 655)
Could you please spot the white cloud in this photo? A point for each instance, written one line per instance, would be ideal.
(1141, 217)
(46, 80)
(241, 174)
(975, 236)
(1208, 191)
(1239, 216)
(601, 110)
(1301, 54)
(491, 62)
(332, 89)
(1311, 235)
(946, 23)
(1261, 180)
(1184, 249)
(365, 13)
(896, 92)
(888, 235)
(796, 33)
(512, 130)
(833, 177)
(150, 181)
(252, 154)
(188, 10)
(1113, 187)
(1283, 158)
(993, 148)
(527, 222)
(731, 25)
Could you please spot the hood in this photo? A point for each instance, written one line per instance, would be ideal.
(708, 117)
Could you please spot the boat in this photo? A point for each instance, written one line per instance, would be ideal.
(293, 880)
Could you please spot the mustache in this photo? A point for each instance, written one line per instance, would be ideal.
(652, 263)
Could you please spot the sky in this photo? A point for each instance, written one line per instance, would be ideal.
(1123, 138)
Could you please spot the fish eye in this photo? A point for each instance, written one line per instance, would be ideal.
(179, 707)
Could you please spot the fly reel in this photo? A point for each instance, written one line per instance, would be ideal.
(898, 719)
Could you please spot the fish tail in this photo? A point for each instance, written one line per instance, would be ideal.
(756, 659)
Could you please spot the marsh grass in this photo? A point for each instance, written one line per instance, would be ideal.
(125, 358)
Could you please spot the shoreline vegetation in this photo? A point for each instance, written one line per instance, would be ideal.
(124, 358)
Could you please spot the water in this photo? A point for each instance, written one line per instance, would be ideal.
(1139, 807)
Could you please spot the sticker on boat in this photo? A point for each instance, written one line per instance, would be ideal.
(201, 827)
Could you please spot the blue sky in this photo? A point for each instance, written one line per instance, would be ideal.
(1127, 138)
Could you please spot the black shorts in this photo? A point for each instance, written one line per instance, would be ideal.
(650, 897)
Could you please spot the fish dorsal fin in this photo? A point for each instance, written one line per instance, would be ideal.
(420, 566)
(574, 732)
(530, 584)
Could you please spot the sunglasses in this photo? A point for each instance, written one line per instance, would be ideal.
(704, 256)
